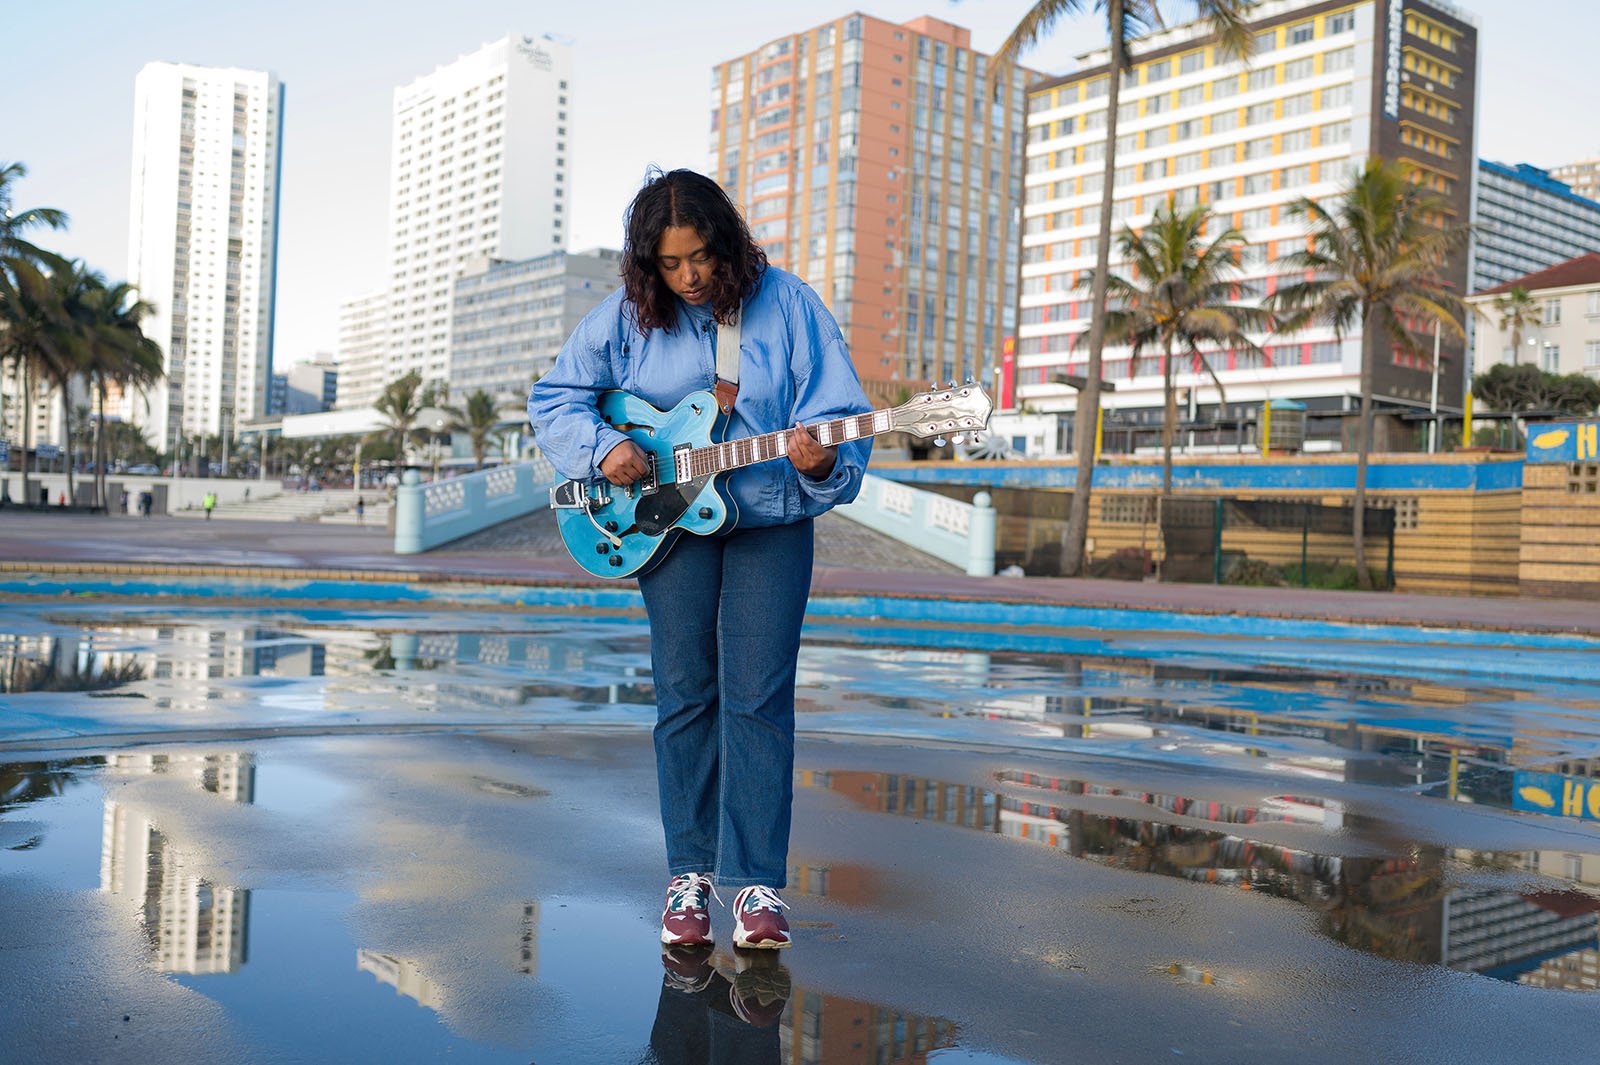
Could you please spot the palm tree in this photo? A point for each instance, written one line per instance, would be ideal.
(1177, 301)
(17, 251)
(14, 222)
(1373, 262)
(1125, 20)
(478, 419)
(1516, 310)
(35, 333)
(77, 289)
(119, 352)
(400, 405)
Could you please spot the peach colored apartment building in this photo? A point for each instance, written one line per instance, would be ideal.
(876, 161)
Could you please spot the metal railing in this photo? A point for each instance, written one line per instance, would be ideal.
(961, 534)
(427, 515)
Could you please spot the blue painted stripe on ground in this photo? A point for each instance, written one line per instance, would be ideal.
(997, 615)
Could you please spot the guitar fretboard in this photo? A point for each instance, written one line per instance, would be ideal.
(715, 458)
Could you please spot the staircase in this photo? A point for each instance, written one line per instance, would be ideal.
(334, 504)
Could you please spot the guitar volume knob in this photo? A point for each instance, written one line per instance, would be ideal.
(705, 512)
(602, 547)
(615, 560)
(611, 526)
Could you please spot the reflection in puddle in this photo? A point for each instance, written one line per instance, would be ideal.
(1511, 728)
(166, 820)
(193, 924)
(1415, 905)
(745, 1008)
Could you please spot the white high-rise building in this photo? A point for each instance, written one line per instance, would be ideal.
(202, 242)
(479, 167)
(363, 342)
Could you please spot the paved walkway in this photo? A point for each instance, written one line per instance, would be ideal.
(851, 561)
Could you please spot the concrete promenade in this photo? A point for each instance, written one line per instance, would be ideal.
(851, 561)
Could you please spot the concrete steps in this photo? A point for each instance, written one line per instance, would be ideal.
(290, 506)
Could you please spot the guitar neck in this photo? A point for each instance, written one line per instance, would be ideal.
(731, 454)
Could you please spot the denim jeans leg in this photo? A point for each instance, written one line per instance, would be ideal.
(766, 578)
(681, 599)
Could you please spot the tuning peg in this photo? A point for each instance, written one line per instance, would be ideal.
(969, 380)
(958, 438)
(938, 441)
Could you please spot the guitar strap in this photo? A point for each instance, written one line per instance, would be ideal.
(728, 362)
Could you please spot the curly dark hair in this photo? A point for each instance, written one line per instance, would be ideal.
(685, 198)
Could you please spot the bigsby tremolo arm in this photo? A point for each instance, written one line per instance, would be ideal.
(586, 496)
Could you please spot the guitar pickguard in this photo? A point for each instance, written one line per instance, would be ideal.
(657, 511)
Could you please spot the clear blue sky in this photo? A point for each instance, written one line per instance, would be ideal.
(641, 97)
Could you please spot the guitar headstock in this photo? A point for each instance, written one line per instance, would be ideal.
(952, 409)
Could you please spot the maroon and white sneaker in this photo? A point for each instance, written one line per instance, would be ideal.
(686, 921)
(688, 969)
(758, 920)
(760, 987)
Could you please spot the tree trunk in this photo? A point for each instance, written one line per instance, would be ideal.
(100, 482)
(1169, 420)
(66, 431)
(1087, 417)
(1358, 517)
(27, 429)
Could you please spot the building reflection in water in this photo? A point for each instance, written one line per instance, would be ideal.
(193, 924)
(61, 663)
(823, 1029)
(743, 1009)
(402, 974)
(1402, 906)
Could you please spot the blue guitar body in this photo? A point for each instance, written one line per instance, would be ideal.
(622, 532)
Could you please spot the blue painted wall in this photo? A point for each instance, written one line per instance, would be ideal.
(1564, 442)
(1276, 476)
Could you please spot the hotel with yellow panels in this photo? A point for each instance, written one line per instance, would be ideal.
(872, 160)
(1327, 87)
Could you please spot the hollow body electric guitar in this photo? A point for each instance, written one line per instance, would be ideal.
(621, 532)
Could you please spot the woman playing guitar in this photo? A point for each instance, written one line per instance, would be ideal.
(725, 610)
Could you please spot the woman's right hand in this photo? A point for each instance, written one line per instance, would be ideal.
(624, 464)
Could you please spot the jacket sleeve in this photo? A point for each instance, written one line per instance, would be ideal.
(561, 406)
(826, 387)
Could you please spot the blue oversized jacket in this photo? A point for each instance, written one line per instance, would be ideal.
(793, 368)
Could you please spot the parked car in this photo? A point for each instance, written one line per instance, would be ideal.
(143, 469)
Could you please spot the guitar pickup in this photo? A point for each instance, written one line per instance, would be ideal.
(574, 495)
(651, 480)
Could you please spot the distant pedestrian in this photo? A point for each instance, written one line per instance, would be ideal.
(210, 503)
(361, 510)
(147, 502)
(124, 501)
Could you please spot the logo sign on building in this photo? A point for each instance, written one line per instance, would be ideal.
(1391, 69)
(5, 451)
(1564, 442)
(533, 53)
(1557, 795)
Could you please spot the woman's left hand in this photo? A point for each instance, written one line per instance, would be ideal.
(808, 456)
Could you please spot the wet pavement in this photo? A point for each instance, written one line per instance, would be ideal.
(416, 833)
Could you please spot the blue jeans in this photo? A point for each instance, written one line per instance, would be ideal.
(725, 615)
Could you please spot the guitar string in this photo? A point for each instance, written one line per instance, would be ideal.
(746, 451)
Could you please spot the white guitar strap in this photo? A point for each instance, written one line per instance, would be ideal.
(728, 362)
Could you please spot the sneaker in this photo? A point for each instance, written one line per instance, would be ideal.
(758, 921)
(688, 969)
(760, 988)
(686, 922)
